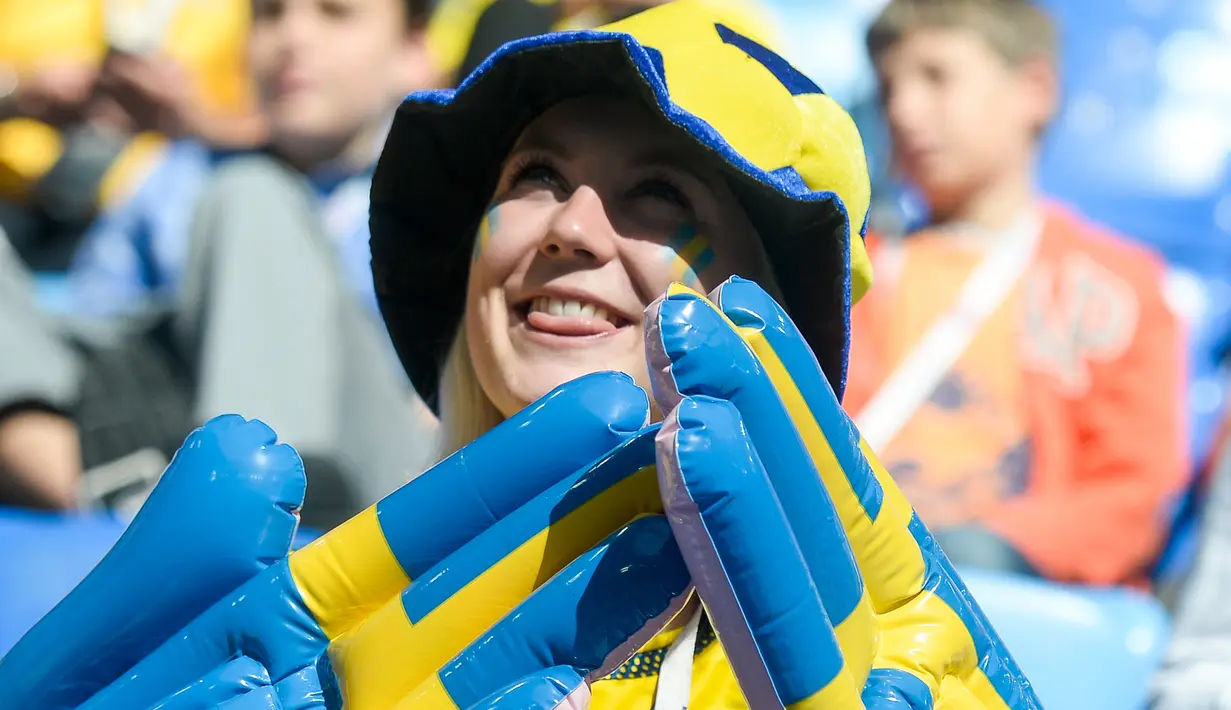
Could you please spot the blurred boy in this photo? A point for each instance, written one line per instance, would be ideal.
(262, 259)
(1017, 365)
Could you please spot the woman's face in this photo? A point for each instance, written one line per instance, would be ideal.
(600, 206)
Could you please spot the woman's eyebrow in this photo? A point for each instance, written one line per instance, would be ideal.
(541, 142)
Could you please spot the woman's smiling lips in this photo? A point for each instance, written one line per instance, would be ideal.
(569, 317)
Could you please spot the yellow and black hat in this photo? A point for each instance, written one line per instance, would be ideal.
(793, 158)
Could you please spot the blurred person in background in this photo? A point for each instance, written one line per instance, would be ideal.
(1018, 365)
(40, 459)
(88, 96)
(463, 33)
(321, 122)
(264, 300)
(90, 90)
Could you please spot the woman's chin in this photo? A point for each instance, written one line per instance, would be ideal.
(536, 377)
(537, 361)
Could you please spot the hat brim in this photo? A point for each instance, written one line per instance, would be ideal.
(442, 161)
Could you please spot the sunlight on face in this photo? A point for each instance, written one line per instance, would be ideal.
(600, 206)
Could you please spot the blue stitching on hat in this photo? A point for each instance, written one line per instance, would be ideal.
(790, 178)
(656, 59)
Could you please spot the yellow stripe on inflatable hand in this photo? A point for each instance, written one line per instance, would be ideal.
(920, 633)
(415, 632)
(913, 629)
(325, 572)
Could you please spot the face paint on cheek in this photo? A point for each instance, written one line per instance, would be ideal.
(688, 254)
(487, 227)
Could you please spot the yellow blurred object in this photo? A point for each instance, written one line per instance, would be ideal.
(210, 38)
(35, 32)
(207, 37)
(28, 149)
(130, 167)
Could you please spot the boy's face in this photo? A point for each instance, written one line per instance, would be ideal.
(328, 69)
(959, 114)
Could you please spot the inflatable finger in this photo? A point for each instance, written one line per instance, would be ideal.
(259, 699)
(556, 687)
(747, 563)
(702, 355)
(932, 643)
(454, 602)
(246, 683)
(223, 511)
(287, 617)
(233, 679)
(588, 619)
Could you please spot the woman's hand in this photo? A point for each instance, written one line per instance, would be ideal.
(139, 93)
(823, 586)
(55, 94)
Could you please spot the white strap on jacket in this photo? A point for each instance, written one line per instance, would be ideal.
(934, 355)
(675, 674)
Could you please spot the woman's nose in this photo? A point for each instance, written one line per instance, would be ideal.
(581, 230)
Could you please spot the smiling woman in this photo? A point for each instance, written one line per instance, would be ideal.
(572, 178)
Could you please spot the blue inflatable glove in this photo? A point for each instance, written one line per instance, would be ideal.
(399, 606)
(823, 586)
(223, 512)
(578, 626)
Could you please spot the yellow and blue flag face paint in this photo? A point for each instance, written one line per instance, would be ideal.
(844, 600)
(487, 226)
(688, 254)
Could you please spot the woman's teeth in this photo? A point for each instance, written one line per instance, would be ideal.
(557, 307)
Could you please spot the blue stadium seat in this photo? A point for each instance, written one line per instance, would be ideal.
(1083, 649)
(44, 555)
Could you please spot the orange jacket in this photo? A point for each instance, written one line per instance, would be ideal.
(1107, 428)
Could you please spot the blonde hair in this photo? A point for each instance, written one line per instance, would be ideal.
(1018, 30)
(466, 412)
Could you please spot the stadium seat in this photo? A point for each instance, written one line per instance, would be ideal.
(1083, 649)
(44, 555)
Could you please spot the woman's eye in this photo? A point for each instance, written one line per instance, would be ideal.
(267, 9)
(662, 190)
(541, 174)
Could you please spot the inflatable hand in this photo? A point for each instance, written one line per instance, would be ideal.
(824, 588)
(223, 511)
(399, 606)
(579, 625)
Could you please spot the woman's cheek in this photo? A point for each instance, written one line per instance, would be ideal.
(506, 236)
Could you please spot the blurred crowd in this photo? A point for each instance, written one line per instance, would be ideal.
(183, 232)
